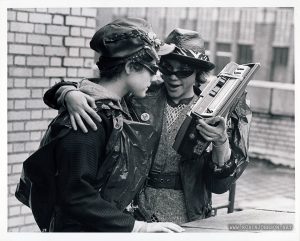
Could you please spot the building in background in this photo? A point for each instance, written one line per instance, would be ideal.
(48, 45)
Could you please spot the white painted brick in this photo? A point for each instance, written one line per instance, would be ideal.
(18, 93)
(40, 18)
(91, 22)
(18, 136)
(18, 115)
(9, 167)
(13, 230)
(20, 37)
(19, 49)
(19, 72)
(89, 12)
(10, 104)
(37, 61)
(55, 40)
(35, 104)
(18, 147)
(29, 228)
(10, 60)
(20, 60)
(25, 9)
(55, 72)
(55, 61)
(32, 146)
(36, 93)
(75, 11)
(21, 27)
(15, 221)
(75, 31)
(10, 83)
(9, 128)
(19, 82)
(20, 104)
(36, 125)
(39, 28)
(73, 62)
(87, 43)
(58, 19)
(38, 72)
(38, 39)
(38, 82)
(54, 81)
(72, 72)
(25, 210)
(64, 11)
(38, 50)
(73, 41)
(10, 37)
(57, 30)
(22, 16)
(35, 135)
(87, 32)
(47, 114)
(85, 72)
(12, 189)
(12, 200)
(18, 126)
(73, 79)
(36, 114)
(75, 21)
(11, 15)
(89, 63)
(73, 52)
(56, 51)
(13, 179)
(14, 211)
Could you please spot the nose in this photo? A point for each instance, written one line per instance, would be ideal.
(173, 77)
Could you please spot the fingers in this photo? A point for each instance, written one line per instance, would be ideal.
(88, 120)
(93, 113)
(174, 227)
(80, 123)
(209, 136)
(91, 101)
(73, 122)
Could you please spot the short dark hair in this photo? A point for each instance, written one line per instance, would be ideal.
(201, 77)
(113, 67)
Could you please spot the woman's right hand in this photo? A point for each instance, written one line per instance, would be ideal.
(156, 227)
(80, 105)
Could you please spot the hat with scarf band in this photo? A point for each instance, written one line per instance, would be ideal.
(189, 47)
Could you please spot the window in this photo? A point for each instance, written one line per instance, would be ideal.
(245, 54)
(279, 64)
(223, 56)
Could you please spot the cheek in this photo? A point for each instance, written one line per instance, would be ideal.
(189, 82)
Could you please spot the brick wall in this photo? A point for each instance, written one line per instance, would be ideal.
(44, 46)
(273, 138)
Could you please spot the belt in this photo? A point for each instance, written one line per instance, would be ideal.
(165, 180)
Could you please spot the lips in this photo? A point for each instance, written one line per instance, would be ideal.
(173, 86)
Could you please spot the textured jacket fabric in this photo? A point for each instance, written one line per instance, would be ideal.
(79, 182)
(199, 180)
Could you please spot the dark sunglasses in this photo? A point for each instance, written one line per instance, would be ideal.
(149, 66)
(165, 69)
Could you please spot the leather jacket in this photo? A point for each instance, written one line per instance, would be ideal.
(199, 180)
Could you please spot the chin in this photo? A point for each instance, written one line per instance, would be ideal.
(140, 94)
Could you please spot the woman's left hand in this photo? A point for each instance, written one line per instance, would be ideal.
(213, 129)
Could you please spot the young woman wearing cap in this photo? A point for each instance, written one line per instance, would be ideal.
(80, 182)
(185, 194)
